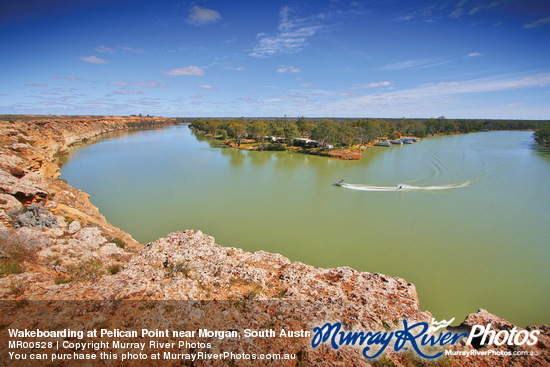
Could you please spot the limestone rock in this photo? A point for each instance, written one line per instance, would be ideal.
(31, 238)
(111, 250)
(8, 202)
(90, 238)
(30, 185)
(74, 227)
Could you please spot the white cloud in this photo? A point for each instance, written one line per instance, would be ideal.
(450, 84)
(307, 85)
(67, 77)
(130, 49)
(239, 68)
(187, 70)
(425, 13)
(537, 23)
(292, 37)
(93, 60)
(421, 64)
(249, 100)
(105, 50)
(464, 8)
(288, 69)
(473, 54)
(429, 93)
(144, 101)
(141, 84)
(291, 96)
(200, 16)
(205, 87)
(35, 85)
(404, 65)
(124, 91)
(372, 85)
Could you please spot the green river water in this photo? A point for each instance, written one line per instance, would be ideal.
(470, 227)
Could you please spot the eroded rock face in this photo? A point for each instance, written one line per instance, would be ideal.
(32, 198)
(8, 202)
(27, 187)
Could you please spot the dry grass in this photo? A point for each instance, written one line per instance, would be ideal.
(14, 251)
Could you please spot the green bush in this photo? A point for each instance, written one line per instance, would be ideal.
(86, 270)
(10, 266)
(542, 136)
(115, 268)
(62, 281)
(180, 267)
(119, 242)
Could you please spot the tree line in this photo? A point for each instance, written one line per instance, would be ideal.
(348, 132)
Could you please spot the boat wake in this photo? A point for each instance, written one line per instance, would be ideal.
(402, 187)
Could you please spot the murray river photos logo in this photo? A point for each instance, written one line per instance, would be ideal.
(416, 336)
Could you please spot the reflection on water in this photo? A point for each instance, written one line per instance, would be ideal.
(475, 245)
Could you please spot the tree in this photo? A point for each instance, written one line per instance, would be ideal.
(347, 134)
(306, 129)
(276, 128)
(224, 134)
(237, 130)
(325, 132)
(385, 128)
(213, 127)
(258, 130)
(371, 130)
(394, 135)
(431, 126)
(542, 136)
(291, 132)
(449, 126)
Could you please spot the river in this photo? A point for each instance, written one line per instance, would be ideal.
(470, 226)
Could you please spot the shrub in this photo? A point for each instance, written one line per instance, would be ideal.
(542, 136)
(115, 268)
(180, 267)
(9, 266)
(17, 288)
(119, 242)
(14, 250)
(86, 270)
(33, 216)
(62, 281)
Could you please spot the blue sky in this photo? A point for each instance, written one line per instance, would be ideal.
(333, 58)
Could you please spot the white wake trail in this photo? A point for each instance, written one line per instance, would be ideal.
(402, 187)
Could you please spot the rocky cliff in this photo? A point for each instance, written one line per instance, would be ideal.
(56, 246)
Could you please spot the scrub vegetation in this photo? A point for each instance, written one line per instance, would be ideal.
(283, 134)
(542, 136)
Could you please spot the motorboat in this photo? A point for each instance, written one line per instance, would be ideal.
(383, 143)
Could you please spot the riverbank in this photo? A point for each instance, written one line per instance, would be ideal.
(81, 257)
(339, 153)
